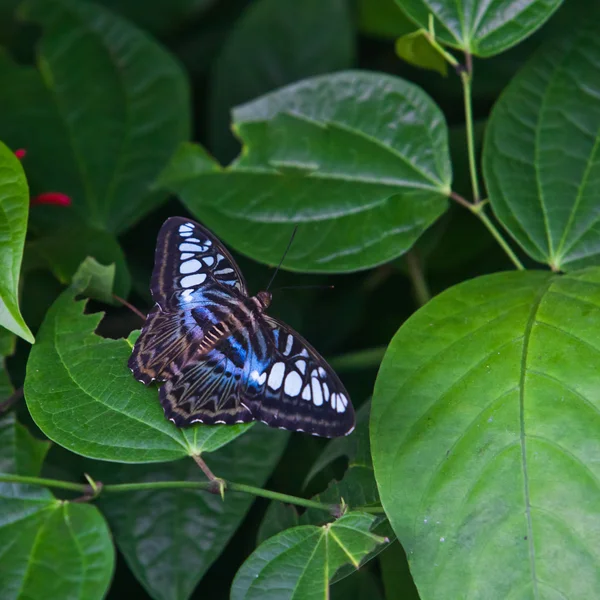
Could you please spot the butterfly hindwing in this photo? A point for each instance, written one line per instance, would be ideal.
(188, 261)
(300, 391)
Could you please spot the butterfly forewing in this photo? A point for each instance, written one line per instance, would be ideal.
(188, 260)
(222, 359)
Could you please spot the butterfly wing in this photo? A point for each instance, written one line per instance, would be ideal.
(300, 391)
(268, 374)
(188, 261)
(195, 282)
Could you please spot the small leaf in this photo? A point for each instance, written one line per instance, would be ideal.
(299, 562)
(362, 190)
(541, 153)
(416, 50)
(81, 394)
(208, 438)
(94, 280)
(171, 537)
(101, 118)
(275, 42)
(20, 452)
(14, 208)
(485, 434)
(481, 27)
(52, 549)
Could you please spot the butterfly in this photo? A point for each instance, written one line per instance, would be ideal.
(221, 358)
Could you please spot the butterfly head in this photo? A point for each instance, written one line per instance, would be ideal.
(263, 300)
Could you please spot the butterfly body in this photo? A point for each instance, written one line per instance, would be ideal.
(222, 359)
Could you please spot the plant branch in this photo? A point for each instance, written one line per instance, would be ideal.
(86, 489)
(498, 237)
(417, 277)
(466, 78)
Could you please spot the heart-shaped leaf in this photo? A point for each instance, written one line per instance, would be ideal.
(541, 153)
(299, 562)
(171, 537)
(361, 190)
(14, 208)
(481, 27)
(81, 394)
(49, 548)
(485, 434)
(275, 42)
(101, 118)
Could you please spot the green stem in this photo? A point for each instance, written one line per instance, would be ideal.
(362, 359)
(466, 78)
(417, 278)
(116, 488)
(503, 243)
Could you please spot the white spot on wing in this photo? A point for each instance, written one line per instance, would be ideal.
(276, 375)
(190, 266)
(288, 345)
(322, 372)
(185, 247)
(184, 233)
(317, 392)
(301, 364)
(209, 260)
(186, 296)
(185, 227)
(256, 376)
(193, 240)
(333, 400)
(304, 352)
(187, 255)
(293, 384)
(326, 391)
(224, 271)
(342, 403)
(306, 392)
(193, 280)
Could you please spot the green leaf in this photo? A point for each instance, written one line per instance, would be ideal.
(64, 250)
(383, 18)
(485, 437)
(541, 153)
(82, 395)
(94, 280)
(481, 27)
(274, 43)
(52, 549)
(362, 190)
(416, 50)
(101, 118)
(171, 537)
(278, 517)
(14, 208)
(20, 452)
(299, 562)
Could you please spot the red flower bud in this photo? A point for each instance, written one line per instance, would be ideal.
(20, 154)
(55, 198)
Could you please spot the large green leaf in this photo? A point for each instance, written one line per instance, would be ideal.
(101, 118)
(14, 208)
(82, 395)
(541, 157)
(274, 43)
(48, 548)
(485, 437)
(299, 562)
(481, 27)
(171, 537)
(361, 189)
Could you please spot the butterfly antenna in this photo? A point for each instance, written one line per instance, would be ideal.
(283, 257)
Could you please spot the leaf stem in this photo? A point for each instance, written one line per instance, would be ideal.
(117, 488)
(466, 78)
(417, 277)
(498, 237)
